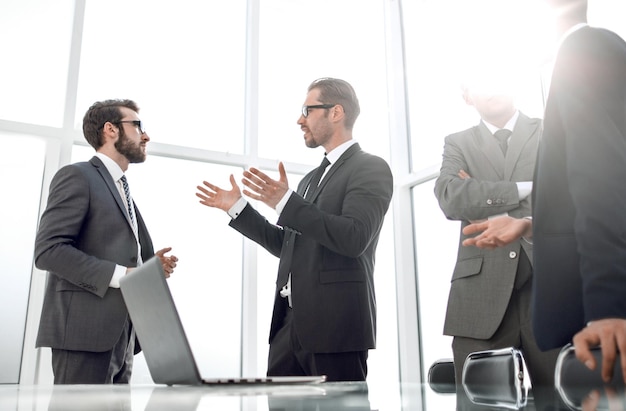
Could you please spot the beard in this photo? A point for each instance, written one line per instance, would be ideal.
(321, 135)
(311, 143)
(133, 152)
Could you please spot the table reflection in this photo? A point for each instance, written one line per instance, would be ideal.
(606, 397)
(327, 396)
(330, 396)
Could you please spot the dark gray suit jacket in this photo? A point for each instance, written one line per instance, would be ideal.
(579, 223)
(483, 280)
(83, 233)
(332, 268)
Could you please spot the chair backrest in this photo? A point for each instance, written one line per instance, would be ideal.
(441, 376)
(495, 378)
(574, 381)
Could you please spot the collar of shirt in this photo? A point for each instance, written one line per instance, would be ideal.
(332, 157)
(339, 150)
(510, 125)
(112, 167)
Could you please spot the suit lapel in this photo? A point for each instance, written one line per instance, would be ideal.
(334, 167)
(487, 143)
(305, 183)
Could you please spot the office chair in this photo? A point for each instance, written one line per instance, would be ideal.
(495, 378)
(574, 381)
(492, 378)
(441, 376)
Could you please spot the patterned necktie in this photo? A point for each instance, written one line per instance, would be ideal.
(128, 201)
(503, 138)
(315, 181)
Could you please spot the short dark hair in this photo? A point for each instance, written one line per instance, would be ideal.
(100, 113)
(336, 91)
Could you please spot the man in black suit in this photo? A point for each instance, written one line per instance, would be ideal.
(579, 195)
(90, 235)
(324, 319)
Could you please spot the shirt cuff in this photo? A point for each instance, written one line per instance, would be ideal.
(237, 208)
(283, 201)
(524, 188)
(529, 240)
(120, 271)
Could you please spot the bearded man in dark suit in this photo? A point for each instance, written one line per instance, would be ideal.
(324, 319)
(90, 235)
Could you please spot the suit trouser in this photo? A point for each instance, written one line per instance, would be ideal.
(86, 367)
(514, 331)
(287, 357)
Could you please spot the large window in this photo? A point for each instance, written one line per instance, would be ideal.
(21, 168)
(220, 87)
(183, 62)
(36, 51)
(315, 47)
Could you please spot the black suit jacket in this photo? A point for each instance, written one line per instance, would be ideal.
(332, 268)
(579, 223)
(82, 234)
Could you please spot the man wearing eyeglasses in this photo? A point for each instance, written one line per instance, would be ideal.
(324, 319)
(90, 235)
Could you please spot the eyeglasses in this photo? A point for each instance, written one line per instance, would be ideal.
(136, 123)
(305, 109)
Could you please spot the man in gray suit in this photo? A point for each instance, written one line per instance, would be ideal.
(580, 196)
(90, 235)
(485, 175)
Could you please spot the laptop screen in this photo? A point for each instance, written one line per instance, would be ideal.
(158, 326)
(162, 337)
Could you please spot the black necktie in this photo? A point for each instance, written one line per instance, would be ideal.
(286, 254)
(315, 181)
(503, 138)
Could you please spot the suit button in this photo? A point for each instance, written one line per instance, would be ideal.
(489, 201)
(512, 254)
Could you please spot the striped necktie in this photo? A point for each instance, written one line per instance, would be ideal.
(128, 200)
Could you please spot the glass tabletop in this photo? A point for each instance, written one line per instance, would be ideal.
(325, 396)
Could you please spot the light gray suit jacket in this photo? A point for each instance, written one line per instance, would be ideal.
(483, 280)
(82, 234)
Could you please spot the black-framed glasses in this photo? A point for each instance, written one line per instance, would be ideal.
(136, 123)
(305, 109)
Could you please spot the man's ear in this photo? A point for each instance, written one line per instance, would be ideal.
(109, 131)
(109, 127)
(466, 95)
(337, 113)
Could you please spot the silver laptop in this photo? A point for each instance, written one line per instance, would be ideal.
(162, 337)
